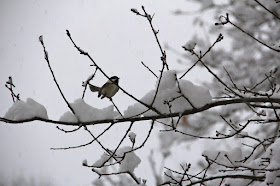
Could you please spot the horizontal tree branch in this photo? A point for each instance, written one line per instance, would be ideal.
(254, 178)
(155, 117)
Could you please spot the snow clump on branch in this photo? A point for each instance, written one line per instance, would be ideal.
(175, 95)
(87, 113)
(21, 110)
(128, 160)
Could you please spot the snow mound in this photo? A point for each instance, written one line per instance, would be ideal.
(127, 164)
(169, 91)
(21, 110)
(104, 158)
(130, 161)
(87, 113)
(189, 46)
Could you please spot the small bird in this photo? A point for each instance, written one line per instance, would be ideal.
(109, 89)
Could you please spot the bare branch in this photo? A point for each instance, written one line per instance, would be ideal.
(226, 20)
(239, 176)
(275, 15)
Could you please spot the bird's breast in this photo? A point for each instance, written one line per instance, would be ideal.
(110, 90)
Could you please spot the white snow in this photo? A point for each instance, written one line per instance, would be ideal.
(168, 90)
(87, 113)
(21, 110)
(104, 157)
(132, 137)
(128, 164)
(88, 79)
(68, 117)
(131, 160)
(189, 46)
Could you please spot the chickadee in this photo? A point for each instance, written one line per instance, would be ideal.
(109, 89)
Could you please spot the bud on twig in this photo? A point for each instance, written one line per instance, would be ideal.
(132, 137)
(41, 39)
(134, 10)
(84, 163)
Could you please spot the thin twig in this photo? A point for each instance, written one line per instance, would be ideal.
(181, 92)
(9, 85)
(49, 65)
(149, 69)
(163, 57)
(116, 107)
(68, 131)
(226, 20)
(267, 9)
(86, 144)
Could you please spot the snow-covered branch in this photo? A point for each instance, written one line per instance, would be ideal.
(153, 117)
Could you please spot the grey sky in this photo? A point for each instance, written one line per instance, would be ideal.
(118, 41)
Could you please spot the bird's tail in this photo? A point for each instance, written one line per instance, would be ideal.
(94, 88)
